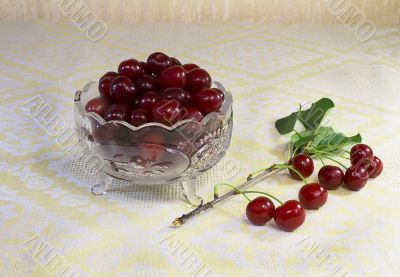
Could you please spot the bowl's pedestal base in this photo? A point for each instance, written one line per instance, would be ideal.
(188, 189)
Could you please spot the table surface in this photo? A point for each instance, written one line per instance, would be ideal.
(51, 224)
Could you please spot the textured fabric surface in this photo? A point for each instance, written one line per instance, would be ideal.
(272, 11)
(51, 225)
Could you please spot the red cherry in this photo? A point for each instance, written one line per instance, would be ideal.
(191, 112)
(177, 94)
(376, 167)
(356, 177)
(174, 76)
(260, 210)
(97, 105)
(313, 196)
(110, 74)
(198, 79)
(166, 112)
(138, 117)
(330, 177)
(130, 68)
(207, 100)
(116, 112)
(148, 100)
(290, 215)
(190, 66)
(361, 154)
(175, 61)
(145, 69)
(303, 164)
(123, 90)
(220, 93)
(104, 87)
(157, 62)
(146, 83)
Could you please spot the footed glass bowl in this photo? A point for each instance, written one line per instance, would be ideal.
(153, 153)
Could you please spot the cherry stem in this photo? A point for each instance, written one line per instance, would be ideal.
(238, 191)
(260, 192)
(330, 153)
(333, 160)
(322, 161)
(280, 166)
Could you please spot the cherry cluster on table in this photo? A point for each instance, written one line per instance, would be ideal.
(291, 214)
(159, 90)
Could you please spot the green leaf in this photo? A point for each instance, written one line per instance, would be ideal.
(337, 141)
(322, 133)
(312, 118)
(301, 139)
(286, 125)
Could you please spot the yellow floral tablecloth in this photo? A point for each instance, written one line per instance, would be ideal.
(52, 226)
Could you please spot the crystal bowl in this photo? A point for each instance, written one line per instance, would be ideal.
(154, 153)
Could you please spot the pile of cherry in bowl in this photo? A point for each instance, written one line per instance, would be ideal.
(158, 90)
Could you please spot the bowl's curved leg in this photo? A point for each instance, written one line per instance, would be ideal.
(189, 192)
(105, 184)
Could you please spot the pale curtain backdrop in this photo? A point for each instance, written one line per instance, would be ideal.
(271, 11)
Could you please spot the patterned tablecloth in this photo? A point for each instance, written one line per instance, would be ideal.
(51, 225)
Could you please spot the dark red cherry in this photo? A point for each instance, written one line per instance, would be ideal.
(356, 177)
(289, 216)
(157, 62)
(117, 112)
(166, 112)
(313, 196)
(97, 105)
(146, 83)
(220, 93)
(361, 154)
(260, 210)
(175, 61)
(145, 69)
(148, 100)
(110, 74)
(123, 90)
(130, 68)
(198, 79)
(174, 76)
(104, 87)
(375, 168)
(177, 94)
(207, 100)
(138, 117)
(303, 164)
(190, 66)
(330, 177)
(191, 112)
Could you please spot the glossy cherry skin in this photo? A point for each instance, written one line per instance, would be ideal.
(303, 164)
(175, 61)
(148, 100)
(260, 210)
(330, 177)
(313, 196)
(166, 112)
(123, 90)
(146, 83)
(361, 154)
(97, 105)
(220, 93)
(145, 68)
(174, 76)
(130, 68)
(207, 100)
(117, 112)
(157, 62)
(104, 87)
(376, 167)
(177, 94)
(190, 66)
(138, 117)
(289, 216)
(198, 79)
(110, 74)
(191, 112)
(356, 177)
